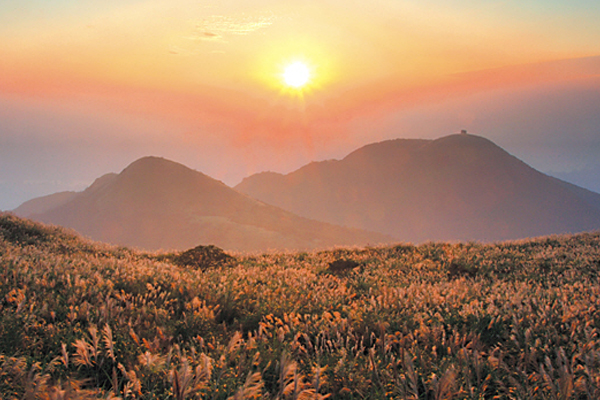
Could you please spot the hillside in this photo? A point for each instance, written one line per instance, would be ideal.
(459, 187)
(85, 320)
(159, 204)
(45, 203)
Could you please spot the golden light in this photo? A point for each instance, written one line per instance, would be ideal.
(296, 74)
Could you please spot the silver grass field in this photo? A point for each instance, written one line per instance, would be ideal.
(513, 320)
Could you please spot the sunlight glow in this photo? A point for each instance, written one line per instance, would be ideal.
(296, 75)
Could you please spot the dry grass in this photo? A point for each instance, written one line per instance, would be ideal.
(515, 320)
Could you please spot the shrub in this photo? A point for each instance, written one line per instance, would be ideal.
(203, 257)
(342, 266)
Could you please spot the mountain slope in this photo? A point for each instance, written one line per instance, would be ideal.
(459, 187)
(44, 203)
(155, 203)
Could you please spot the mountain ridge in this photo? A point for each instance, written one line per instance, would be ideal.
(457, 187)
(155, 203)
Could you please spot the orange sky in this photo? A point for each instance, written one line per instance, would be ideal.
(234, 51)
(213, 69)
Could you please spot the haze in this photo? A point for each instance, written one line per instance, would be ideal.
(89, 86)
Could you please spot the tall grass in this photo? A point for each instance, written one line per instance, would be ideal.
(514, 320)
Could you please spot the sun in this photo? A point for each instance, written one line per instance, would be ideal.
(296, 75)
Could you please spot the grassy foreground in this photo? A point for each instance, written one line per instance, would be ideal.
(515, 320)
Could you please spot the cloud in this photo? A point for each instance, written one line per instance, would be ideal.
(210, 36)
(216, 26)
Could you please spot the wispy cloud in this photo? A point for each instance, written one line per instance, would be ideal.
(210, 36)
(215, 27)
(218, 28)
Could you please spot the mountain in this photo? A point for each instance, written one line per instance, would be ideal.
(42, 204)
(159, 204)
(458, 187)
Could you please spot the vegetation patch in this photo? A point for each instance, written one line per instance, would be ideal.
(461, 268)
(23, 232)
(203, 257)
(415, 323)
(342, 266)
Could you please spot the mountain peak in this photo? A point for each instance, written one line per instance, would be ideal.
(157, 203)
(149, 164)
(151, 161)
(464, 139)
(457, 187)
(166, 179)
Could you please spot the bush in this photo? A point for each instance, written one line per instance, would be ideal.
(342, 266)
(203, 257)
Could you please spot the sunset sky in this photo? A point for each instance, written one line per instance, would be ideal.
(88, 86)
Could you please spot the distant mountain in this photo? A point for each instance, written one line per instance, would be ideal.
(155, 203)
(458, 187)
(42, 204)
